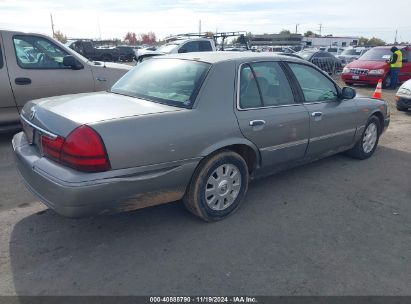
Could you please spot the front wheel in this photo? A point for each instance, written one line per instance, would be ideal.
(218, 186)
(368, 142)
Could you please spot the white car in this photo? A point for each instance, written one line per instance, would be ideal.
(403, 96)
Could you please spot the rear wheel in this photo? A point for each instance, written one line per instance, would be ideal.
(106, 57)
(218, 186)
(368, 142)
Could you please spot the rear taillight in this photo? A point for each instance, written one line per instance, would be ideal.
(52, 147)
(83, 149)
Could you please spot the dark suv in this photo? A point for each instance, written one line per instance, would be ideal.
(126, 53)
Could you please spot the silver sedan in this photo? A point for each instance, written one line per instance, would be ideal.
(195, 127)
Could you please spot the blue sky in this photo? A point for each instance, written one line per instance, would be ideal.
(110, 18)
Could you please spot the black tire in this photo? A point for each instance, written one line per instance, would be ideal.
(386, 83)
(195, 198)
(106, 58)
(402, 109)
(358, 151)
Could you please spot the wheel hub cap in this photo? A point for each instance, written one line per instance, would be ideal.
(223, 187)
(370, 138)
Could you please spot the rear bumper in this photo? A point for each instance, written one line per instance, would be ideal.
(75, 194)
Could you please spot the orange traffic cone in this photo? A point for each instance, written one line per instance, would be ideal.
(378, 90)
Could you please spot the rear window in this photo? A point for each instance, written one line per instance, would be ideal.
(173, 82)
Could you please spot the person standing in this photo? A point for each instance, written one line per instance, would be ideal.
(395, 66)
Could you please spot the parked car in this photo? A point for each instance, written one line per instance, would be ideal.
(373, 66)
(403, 96)
(180, 46)
(195, 127)
(324, 60)
(333, 50)
(35, 66)
(126, 53)
(87, 49)
(352, 54)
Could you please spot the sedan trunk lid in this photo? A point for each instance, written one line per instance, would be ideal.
(64, 113)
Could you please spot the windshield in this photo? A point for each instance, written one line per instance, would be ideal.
(173, 82)
(377, 55)
(167, 48)
(351, 52)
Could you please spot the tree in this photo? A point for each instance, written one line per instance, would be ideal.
(244, 39)
(148, 38)
(60, 36)
(371, 42)
(376, 41)
(131, 38)
(285, 32)
(310, 34)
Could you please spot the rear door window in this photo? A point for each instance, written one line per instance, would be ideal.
(205, 46)
(190, 47)
(264, 84)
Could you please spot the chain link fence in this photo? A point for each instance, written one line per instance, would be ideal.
(332, 66)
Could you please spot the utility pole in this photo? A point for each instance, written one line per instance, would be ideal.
(199, 27)
(395, 39)
(52, 24)
(99, 28)
(296, 28)
(321, 26)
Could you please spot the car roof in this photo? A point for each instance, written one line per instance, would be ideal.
(216, 57)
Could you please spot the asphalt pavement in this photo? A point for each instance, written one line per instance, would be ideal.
(338, 226)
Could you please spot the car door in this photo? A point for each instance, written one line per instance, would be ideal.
(8, 108)
(332, 120)
(268, 114)
(36, 69)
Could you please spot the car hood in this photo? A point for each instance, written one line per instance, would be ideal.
(405, 90)
(365, 64)
(64, 113)
(110, 65)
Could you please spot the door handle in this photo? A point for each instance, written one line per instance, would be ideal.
(22, 81)
(254, 123)
(316, 114)
(101, 79)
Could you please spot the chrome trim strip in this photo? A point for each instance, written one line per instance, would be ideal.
(332, 135)
(53, 136)
(286, 145)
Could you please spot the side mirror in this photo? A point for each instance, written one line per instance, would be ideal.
(70, 61)
(348, 93)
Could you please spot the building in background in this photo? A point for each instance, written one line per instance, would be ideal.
(276, 39)
(330, 41)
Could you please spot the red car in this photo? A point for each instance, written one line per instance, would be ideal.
(373, 65)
